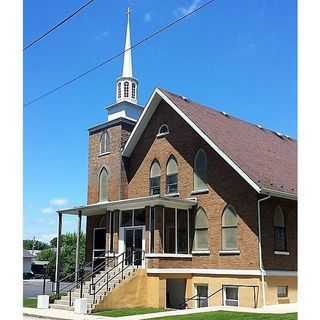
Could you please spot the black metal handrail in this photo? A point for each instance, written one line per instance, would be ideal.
(83, 278)
(125, 257)
(74, 273)
(184, 304)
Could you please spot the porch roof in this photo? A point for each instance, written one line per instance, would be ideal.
(127, 204)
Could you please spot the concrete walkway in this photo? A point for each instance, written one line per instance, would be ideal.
(32, 313)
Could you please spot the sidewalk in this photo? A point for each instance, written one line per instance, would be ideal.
(70, 315)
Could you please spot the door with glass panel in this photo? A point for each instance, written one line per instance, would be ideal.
(99, 246)
(133, 246)
(202, 296)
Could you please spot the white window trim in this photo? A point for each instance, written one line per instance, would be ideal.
(168, 255)
(103, 154)
(205, 190)
(281, 253)
(225, 296)
(229, 252)
(200, 252)
(160, 135)
(173, 194)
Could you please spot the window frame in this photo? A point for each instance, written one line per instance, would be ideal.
(195, 172)
(103, 169)
(172, 157)
(106, 146)
(161, 134)
(158, 177)
(195, 248)
(126, 89)
(223, 227)
(119, 90)
(133, 90)
(286, 292)
(225, 295)
(282, 228)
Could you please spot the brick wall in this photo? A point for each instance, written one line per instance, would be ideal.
(271, 260)
(225, 187)
(119, 133)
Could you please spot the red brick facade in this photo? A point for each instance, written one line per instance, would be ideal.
(129, 178)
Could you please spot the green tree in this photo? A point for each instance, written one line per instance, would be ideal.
(38, 245)
(67, 257)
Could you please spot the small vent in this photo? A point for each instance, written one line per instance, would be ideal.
(185, 99)
(225, 114)
(260, 126)
(288, 137)
(279, 134)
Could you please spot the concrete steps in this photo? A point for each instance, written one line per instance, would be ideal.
(64, 301)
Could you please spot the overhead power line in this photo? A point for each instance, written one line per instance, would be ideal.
(57, 25)
(81, 75)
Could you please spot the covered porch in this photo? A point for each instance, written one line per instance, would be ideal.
(150, 227)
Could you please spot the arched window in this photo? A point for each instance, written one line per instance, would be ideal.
(104, 142)
(172, 176)
(164, 129)
(133, 90)
(229, 229)
(126, 89)
(119, 90)
(103, 185)
(200, 241)
(200, 171)
(155, 178)
(279, 225)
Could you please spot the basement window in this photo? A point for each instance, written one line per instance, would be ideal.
(231, 296)
(282, 292)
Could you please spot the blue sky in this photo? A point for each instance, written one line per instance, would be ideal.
(237, 56)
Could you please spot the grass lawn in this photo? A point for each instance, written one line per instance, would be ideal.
(30, 303)
(225, 315)
(126, 312)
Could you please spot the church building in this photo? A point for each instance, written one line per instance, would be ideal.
(187, 207)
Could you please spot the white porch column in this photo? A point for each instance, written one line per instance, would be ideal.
(58, 252)
(78, 246)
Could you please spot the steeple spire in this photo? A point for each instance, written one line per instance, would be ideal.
(127, 60)
(127, 85)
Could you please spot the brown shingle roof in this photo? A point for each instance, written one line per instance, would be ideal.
(267, 158)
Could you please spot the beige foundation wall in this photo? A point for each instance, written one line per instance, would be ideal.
(246, 295)
(271, 284)
(139, 291)
(150, 290)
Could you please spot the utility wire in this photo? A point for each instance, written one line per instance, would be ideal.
(117, 55)
(57, 25)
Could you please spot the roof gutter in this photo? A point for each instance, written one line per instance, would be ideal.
(278, 194)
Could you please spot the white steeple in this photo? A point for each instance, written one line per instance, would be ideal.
(127, 61)
(127, 85)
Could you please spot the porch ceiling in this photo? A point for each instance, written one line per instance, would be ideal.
(127, 204)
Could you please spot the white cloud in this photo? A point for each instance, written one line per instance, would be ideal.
(47, 210)
(45, 237)
(147, 17)
(58, 202)
(185, 10)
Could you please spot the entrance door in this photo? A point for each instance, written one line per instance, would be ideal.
(133, 245)
(99, 246)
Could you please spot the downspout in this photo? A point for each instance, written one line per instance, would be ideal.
(260, 251)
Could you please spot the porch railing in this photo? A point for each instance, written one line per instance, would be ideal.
(128, 258)
(73, 279)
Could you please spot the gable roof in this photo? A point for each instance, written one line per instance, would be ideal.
(265, 159)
